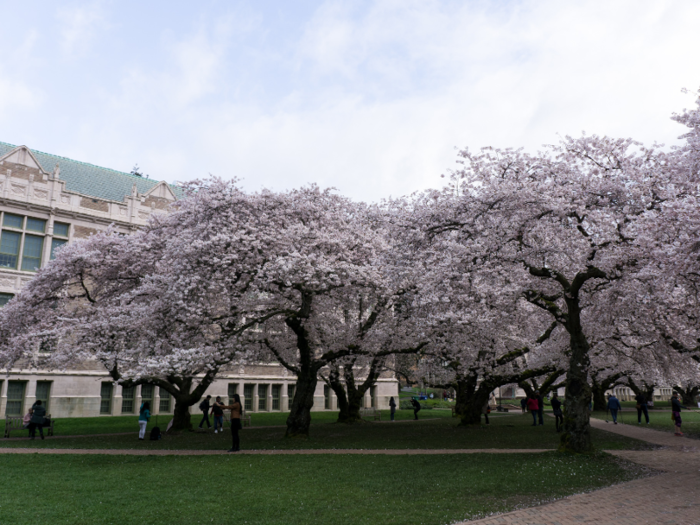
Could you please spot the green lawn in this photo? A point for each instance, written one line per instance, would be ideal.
(289, 490)
(435, 429)
(661, 420)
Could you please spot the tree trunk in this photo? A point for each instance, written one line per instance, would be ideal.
(337, 386)
(688, 395)
(577, 435)
(181, 414)
(465, 406)
(299, 419)
(598, 392)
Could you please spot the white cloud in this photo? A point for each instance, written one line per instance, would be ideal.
(79, 25)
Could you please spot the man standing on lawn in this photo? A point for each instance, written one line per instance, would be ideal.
(642, 407)
(540, 408)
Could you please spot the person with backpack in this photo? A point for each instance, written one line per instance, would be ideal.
(676, 413)
(236, 409)
(392, 407)
(614, 405)
(534, 407)
(642, 407)
(218, 413)
(37, 420)
(144, 416)
(204, 407)
(558, 414)
(416, 408)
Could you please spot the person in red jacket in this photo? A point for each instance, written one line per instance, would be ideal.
(534, 407)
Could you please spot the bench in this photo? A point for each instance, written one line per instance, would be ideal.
(17, 423)
(370, 413)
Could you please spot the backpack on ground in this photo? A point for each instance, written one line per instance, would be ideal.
(155, 434)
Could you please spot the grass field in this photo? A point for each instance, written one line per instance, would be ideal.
(661, 420)
(289, 490)
(435, 430)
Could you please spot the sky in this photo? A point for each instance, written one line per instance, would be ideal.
(372, 98)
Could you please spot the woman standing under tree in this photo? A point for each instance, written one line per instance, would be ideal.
(144, 416)
(236, 411)
(676, 413)
(392, 407)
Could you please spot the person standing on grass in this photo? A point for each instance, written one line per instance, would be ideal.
(236, 410)
(218, 413)
(392, 407)
(534, 407)
(558, 414)
(676, 413)
(523, 405)
(614, 405)
(416, 408)
(204, 407)
(37, 420)
(642, 407)
(486, 409)
(144, 416)
(540, 408)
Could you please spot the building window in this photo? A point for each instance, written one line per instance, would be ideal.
(147, 395)
(371, 396)
(276, 394)
(43, 393)
(60, 229)
(55, 245)
(232, 391)
(248, 395)
(36, 225)
(165, 397)
(262, 397)
(5, 298)
(31, 245)
(106, 398)
(128, 399)
(31, 255)
(291, 389)
(9, 249)
(15, 398)
(326, 397)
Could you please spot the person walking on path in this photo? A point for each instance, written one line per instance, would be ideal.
(37, 420)
(523, 405)
(392, 407)
(204, 407)
(144, 416)
(218, 413)
(614, 405)
(236, 411)
(540, 409)
(558, 414)
(676, 413)
(534, 407)
(416, 408)
(642, 407)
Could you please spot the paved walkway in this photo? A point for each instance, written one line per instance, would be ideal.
(671, 498)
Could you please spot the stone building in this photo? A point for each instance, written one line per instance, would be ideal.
(47, 201)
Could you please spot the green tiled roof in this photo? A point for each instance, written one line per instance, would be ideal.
(90, 180)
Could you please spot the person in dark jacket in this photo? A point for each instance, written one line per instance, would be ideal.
(37, 420)
(558, 414)
(416, 407)
(392, 407)
(523, 405)
(540, 410)
(534, 407)
(204, 407)
(676, 412)
(642, 407)
(614, 405)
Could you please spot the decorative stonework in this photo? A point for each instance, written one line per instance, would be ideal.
(80, 232)
(19, 190)
(143, 215)
(7, 283)
(41, 194)
(65, 199)
(94, 204)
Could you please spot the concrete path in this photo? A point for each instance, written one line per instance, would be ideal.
(671, 498)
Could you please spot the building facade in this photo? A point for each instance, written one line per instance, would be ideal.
(47, 201)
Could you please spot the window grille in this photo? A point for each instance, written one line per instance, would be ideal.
(262, 397)
(248, 395)
(43, 393)
(165, 400)
(276, 394)
(106, 398)
(291, 389)
(128, 399)
(15, 398)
